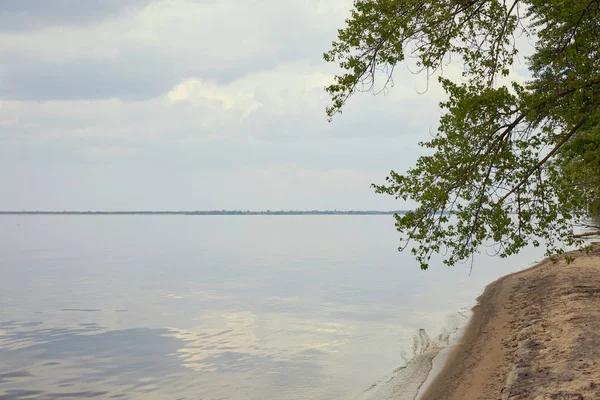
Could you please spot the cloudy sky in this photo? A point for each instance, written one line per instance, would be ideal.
(192, 104)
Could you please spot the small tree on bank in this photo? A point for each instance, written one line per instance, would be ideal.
(512, 163)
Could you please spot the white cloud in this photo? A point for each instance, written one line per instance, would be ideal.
(145, 52)
(284, 103)
(196, 92)
(197, 104)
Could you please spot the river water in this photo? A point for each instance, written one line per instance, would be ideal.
(218, 307)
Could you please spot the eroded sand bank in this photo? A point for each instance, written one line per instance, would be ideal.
(535, 335)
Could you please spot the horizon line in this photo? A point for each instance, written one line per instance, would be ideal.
(206, 212)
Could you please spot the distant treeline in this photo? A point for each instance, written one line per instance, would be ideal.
(214, 212)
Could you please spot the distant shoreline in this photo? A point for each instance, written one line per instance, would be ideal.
(222, 212)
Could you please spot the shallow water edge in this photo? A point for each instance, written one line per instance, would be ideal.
(410, 380)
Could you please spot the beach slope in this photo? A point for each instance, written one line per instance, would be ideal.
(534, 335)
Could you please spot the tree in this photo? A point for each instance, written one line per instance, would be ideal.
(579, 164)
(513, 163)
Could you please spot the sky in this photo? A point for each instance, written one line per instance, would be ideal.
(194, 105)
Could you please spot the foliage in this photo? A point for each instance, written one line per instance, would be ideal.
(579, 165)
(511, 163)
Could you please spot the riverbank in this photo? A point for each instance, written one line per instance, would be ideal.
(534, 334)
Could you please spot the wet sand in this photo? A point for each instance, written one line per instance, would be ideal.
(535, 334)
(407, 380)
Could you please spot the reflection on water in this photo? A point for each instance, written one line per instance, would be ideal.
(215, 308)
(199, 362)
(83, 362)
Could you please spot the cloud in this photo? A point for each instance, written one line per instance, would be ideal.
(25, 15)
(197, 92)
(154, 46)
(183, 104)
(284, 104)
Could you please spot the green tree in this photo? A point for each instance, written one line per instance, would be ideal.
(579, 164)
(511, 163)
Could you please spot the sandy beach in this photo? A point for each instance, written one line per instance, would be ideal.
(534, 334)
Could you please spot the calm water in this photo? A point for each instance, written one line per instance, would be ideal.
(223, 307)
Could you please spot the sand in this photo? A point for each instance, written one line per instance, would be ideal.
(534, 335)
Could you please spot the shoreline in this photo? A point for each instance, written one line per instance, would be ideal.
(409, 380)
(519, 342)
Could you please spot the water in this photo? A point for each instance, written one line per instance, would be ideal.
(216, 307)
